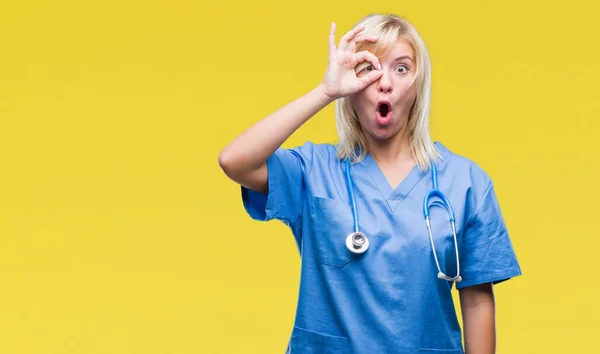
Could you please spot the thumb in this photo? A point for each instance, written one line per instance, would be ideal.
(370, 78)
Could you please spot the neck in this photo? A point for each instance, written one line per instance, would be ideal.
(392, 151)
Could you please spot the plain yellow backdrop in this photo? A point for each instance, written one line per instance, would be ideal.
(120, 234)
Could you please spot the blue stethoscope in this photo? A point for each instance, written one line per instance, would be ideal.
(357, 242)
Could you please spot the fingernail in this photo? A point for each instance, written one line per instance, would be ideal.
(379, 66)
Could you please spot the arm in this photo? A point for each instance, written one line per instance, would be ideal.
(478, 312)
(244, 159)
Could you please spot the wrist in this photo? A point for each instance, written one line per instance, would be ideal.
(321, 90)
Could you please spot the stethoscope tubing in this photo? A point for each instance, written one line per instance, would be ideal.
(364, 243)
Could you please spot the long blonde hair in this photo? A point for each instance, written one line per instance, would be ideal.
(390, 28)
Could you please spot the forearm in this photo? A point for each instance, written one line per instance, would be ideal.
(479, 318)
(252, 148)
(480, 328)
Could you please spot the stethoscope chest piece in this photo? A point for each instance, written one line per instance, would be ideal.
(357, 242)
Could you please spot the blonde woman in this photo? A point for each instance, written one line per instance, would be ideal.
(386, 221)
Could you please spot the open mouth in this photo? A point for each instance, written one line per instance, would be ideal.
(384, 112)
(383, 108)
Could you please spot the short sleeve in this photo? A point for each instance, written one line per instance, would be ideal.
(487, 251)
(287, 170)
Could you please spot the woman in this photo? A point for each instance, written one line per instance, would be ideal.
(370, 279)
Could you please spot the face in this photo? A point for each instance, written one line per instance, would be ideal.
(384, 105)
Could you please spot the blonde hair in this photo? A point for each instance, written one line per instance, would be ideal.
(390, 28)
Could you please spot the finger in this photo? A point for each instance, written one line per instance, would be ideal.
(369, 78)
(361, 38)
(365, 55)
(348, 37)
(332, 49)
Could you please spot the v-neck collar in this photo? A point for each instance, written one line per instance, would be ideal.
(394, 197)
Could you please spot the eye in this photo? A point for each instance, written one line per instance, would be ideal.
(402, 66)
(364, 68)
(368, 68)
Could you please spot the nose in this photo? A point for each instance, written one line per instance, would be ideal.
(384, 84)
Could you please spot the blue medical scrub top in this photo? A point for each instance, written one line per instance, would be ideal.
(388, 299)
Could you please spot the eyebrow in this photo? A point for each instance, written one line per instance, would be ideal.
(403, 57)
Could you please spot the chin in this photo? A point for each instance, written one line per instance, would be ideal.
(380, 132)
(383, 133)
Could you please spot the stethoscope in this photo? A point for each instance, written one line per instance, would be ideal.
(357, 242)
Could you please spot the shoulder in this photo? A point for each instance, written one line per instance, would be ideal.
(311, 154)
(321, 152)
(316, 149)
(463, 175)
(468, 179)
(461, 167)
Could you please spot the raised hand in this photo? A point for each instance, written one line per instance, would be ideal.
(340, 77)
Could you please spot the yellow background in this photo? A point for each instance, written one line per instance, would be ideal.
(120, 234)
